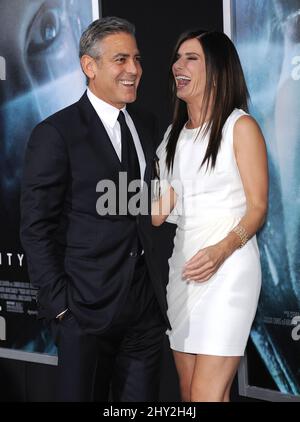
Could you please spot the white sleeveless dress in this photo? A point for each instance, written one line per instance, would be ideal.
(212, 317)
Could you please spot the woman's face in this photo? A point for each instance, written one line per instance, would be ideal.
(189, 71)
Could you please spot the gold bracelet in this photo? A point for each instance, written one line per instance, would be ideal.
(241, 232)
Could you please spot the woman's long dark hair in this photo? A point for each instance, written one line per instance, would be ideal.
(225, 90)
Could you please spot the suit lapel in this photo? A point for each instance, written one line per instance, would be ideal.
(97, 135)
(101, 143)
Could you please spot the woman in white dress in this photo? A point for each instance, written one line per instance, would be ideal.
(214, 184)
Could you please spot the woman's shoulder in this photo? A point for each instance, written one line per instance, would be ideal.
(243, 121)
(236, 114)
(238, 118)
(238, 123)
(246, 126)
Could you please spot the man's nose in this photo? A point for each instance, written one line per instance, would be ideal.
(132, 67)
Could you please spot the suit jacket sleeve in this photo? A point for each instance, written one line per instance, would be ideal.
(44, 184)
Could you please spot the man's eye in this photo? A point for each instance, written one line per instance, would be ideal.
(44, 30)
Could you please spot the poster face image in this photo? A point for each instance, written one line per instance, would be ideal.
(40, 74)
(267, 36)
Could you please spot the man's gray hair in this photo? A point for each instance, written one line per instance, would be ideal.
(100, 29)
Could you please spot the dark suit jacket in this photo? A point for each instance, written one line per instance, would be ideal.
(79, 259)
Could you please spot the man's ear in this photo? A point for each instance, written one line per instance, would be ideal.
(89, 66)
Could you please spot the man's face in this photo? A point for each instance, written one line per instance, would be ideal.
(118, 70)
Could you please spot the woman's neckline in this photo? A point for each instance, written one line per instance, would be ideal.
(194, 128)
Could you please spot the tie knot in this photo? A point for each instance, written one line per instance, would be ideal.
(121, 118)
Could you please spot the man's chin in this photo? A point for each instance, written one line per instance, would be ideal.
(130, 99)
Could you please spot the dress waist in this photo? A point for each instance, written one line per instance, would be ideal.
(209, 220)
(193, 234)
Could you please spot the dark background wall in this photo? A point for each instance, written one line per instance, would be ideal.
(158, 25)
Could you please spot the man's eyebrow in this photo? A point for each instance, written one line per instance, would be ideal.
(125, 55)
(121, 55)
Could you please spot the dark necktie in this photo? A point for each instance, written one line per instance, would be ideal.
(129, 158)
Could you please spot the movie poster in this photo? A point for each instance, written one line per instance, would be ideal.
(39, 75)
(267, 36)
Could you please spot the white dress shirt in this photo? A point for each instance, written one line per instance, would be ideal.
(108, 115)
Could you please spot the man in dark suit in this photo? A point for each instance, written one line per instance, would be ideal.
(93, 263)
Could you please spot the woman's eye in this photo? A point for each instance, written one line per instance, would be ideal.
(44, 30)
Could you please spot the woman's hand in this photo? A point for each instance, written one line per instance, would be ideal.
(205, 263)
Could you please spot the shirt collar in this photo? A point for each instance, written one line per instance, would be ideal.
(107, 113)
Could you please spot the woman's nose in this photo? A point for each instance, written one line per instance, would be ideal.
(178, 65)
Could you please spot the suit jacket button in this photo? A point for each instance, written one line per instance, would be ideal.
(133, 254)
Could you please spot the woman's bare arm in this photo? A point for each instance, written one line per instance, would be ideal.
(162, 207)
